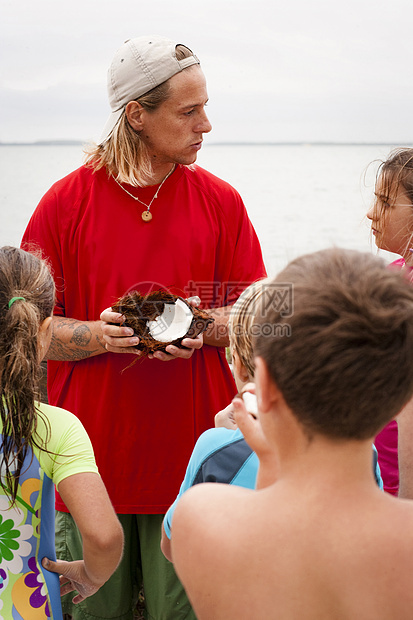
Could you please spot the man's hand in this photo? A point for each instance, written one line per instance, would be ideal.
(172, 352)
(72, 577)
(120, 339)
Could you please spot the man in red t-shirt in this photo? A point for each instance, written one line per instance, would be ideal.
(141, 216)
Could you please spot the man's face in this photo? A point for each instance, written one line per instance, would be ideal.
(173, 133)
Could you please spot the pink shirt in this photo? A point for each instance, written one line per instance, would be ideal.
(386, 441)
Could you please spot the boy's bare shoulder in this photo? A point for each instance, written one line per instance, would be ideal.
(397, 522)
(199, 503)
(210, 525)
(205, 515)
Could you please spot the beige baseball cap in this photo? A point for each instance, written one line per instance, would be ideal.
(137, 67)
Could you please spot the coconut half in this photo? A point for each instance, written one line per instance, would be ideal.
(173, 323)
(160, 319)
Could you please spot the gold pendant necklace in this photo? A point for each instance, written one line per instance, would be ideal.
(147, 215)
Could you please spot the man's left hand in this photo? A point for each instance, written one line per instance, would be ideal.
(172, 352)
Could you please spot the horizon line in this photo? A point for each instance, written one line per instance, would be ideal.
(223, 143)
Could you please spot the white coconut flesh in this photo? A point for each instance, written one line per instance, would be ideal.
(173, 323)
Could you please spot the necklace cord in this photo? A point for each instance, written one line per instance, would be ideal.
(148, 206)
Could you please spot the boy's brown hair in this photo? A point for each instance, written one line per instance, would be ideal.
(346, 368)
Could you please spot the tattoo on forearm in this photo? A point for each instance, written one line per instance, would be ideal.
(81, 336)
(63, 349)
(61, 352)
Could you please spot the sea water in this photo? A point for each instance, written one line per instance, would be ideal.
(300, 198)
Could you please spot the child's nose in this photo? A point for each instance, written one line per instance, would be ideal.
(370, 213)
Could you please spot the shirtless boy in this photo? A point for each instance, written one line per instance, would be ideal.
(322, 542)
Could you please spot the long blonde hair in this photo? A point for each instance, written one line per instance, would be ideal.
(124, 154)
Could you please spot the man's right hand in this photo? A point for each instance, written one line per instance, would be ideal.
(118, 339)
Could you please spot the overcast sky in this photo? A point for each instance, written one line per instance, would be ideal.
(277, 70)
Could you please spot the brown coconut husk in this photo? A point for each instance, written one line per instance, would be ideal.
(139, 309)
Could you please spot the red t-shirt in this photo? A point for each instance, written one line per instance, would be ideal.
(143, 421)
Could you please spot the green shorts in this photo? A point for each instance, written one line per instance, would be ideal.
(142, 563)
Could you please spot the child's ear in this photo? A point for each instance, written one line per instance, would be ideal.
(267, 391)
(239, 368)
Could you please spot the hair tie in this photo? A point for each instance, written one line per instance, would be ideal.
(13, 299)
